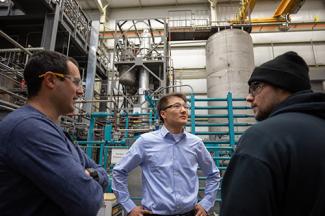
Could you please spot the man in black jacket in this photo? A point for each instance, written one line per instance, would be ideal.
(279, 165)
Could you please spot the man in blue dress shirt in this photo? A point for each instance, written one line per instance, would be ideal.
(169, 159)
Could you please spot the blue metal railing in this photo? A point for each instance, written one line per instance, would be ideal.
(221, 125)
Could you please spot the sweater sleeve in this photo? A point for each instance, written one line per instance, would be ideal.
(247, 188)
(39, 152)
(102, 174)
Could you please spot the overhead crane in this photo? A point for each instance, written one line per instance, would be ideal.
(281, 14)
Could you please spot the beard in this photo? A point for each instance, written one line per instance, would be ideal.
(264, 112)
(260, 116)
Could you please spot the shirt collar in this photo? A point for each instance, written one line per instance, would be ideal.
(164, 131)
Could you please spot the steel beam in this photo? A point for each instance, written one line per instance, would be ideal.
(50, 29)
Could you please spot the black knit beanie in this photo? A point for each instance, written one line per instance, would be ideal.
(287, 71)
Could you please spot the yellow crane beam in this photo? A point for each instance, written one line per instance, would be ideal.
(268, 20)
(288, 7)
(284, 8)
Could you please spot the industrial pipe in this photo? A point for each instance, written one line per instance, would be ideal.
(14, 42)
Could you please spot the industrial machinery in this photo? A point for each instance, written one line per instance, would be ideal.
(60, 25)
(141, 61)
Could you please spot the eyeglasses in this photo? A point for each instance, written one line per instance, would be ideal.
(255, 88)
(177, 106)
(76, 81)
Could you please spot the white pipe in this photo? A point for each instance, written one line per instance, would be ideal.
(213, 11)
(143, 86)
(145, 45)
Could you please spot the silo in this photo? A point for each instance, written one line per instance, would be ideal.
(229, 63)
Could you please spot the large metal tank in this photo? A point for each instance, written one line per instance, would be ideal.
(229, 63)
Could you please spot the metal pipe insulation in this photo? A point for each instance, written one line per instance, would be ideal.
(17, 49)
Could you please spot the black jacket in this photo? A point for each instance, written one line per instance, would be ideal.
(279, 165)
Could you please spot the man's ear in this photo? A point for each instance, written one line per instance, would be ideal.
(49, 81)
(163, 114)
(283, 94)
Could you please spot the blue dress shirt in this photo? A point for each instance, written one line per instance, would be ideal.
(169, 173)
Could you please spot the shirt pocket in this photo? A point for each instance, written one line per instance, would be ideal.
(160, 160)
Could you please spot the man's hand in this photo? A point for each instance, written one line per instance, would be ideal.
(200, 211)
(139, 211)
(92, 173)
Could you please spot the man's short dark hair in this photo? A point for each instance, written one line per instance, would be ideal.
(73, 61)
(163, 102)
(40, 63)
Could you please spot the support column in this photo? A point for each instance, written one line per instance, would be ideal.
(213, 11)
(145, 45)
(50, 29)
(91, 65)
